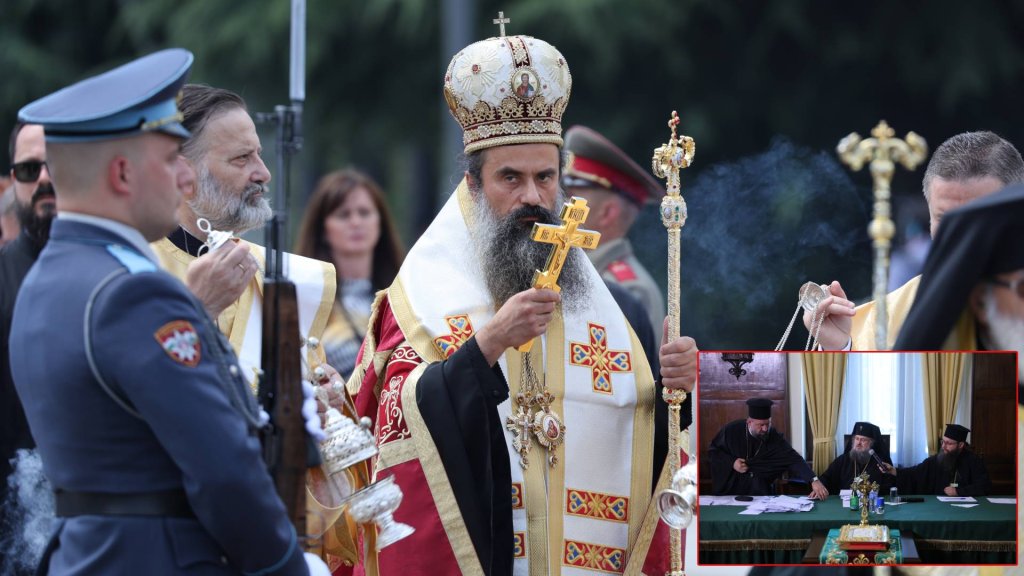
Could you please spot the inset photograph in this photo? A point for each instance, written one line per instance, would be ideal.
(861, 458)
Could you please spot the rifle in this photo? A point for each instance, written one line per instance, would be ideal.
(287, 448)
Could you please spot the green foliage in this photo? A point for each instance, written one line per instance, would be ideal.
(739, 72)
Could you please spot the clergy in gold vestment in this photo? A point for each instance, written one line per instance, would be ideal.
(511, 462)
(224, 152)
(965, 167)
(229, 191)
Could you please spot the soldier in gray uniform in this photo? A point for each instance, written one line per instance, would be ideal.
(144, 424)
(615, 188)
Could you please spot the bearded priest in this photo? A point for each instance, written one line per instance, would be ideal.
(536, 462)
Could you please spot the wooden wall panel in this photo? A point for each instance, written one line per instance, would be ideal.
(994, 418)
(722, 398)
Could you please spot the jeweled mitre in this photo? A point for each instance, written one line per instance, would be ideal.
(508, 90)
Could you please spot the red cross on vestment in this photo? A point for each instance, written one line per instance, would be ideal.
(460, 328)
(599, 358)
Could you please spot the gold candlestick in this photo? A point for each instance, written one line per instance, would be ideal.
(668, 160)
(882, 150)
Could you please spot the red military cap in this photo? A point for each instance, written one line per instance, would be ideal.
(595, 161)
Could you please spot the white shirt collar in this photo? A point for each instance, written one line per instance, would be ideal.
(133, 236)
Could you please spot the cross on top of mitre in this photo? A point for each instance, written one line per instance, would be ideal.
(501, 21)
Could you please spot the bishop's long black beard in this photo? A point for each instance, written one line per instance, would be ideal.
(947, 460)
(509, 257)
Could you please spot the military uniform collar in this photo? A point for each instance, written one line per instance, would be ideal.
(608, 252)
(129, 234)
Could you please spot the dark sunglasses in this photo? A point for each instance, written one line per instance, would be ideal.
(28, 171)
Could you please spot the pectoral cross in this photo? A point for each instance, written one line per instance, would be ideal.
(568, 235)
(501, 21)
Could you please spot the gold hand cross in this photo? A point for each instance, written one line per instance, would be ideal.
(568, 235)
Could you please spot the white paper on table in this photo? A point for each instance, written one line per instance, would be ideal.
(956, 499)
(965, 505)
(895, 503)
(751, 511)
(721, 501)
(780, 504)
(845, 493)
(1002, 500)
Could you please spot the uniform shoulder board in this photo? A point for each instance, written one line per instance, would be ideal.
(131, 259)
(622, 271)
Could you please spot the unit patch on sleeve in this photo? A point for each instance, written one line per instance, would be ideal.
(181, 342)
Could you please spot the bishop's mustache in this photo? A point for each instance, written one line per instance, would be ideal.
(527, 215)
(44, 190)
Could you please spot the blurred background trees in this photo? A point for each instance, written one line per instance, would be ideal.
(766, 89)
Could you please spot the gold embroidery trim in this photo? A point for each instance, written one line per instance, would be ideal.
(437, 479)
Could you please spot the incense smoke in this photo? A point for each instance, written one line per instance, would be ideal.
(30, 513)
(758, 228)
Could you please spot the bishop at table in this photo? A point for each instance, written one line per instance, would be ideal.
(748, 456)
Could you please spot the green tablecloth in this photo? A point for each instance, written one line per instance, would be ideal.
(985, 533)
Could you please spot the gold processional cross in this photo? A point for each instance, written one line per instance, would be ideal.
(543, 422)
(881, 151)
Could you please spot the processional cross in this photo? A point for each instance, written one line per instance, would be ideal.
(501, 21)
(882, 150)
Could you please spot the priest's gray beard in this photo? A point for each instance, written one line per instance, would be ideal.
(509, 257)
(861, 457)
(1006, 332)
(226, 209)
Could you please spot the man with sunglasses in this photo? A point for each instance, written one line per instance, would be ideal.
(137, 403)
(35, 205)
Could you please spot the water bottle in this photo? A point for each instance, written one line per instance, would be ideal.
(853, 501)
(880, 506)
(894, 497)
(872, 500)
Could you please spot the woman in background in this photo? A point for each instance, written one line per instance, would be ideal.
(348, 224)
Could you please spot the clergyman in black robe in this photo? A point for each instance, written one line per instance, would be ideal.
(857, 459)
(954, 471)
(764, 456)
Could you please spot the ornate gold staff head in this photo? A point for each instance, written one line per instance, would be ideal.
(882, 149)
(672, 157)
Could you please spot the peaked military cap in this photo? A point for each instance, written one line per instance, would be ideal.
(759, 408)
(137, 97)
(596, 161)
(868, 430)
(956, 432)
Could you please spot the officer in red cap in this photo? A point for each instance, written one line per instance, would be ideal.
(616, 188)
